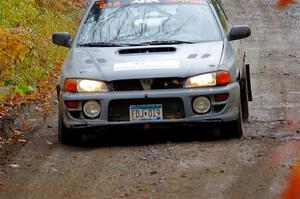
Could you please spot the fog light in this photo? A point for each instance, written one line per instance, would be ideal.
(92, 109)
(201, 105)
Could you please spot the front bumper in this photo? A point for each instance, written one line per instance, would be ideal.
(227, 110)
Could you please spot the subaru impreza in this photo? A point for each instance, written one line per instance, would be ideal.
(154, 62)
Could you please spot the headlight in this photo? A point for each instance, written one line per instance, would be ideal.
(84, 85)
(91, 86)
(209, 79)
(201, 81)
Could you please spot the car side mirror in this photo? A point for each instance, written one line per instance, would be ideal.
(239, 32)
(62, 39)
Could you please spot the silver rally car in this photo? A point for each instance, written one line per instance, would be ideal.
(145, 62)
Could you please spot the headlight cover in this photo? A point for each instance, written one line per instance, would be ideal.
(85, 85)
(91, 86)
(208, 80)
(204, 80)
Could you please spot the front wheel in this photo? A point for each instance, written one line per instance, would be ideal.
(65, 135)
(235, 128)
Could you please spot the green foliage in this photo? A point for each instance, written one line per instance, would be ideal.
(26, 52)
(17, 13)
(23, 89)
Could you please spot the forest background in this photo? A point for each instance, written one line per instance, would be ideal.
(29, 62)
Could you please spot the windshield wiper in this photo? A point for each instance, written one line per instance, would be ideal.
(166, 42)
(156, 42)
(99, 44)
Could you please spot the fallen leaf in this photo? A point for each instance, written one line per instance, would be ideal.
(38, 109)
(153, 172)
(1, 184)
(292, 166)
(282, 4)
(14, 165)
(24, 142)
(183, 175)
(54, 170)
(25, 126)
(49, 142)
(9, 141)
(16, 132)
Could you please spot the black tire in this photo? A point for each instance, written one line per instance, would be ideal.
(235, 128)
(65, 135)
(244, 100)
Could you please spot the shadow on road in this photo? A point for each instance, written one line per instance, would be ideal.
(121, 136)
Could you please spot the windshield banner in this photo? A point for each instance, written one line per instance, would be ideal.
(118, 3)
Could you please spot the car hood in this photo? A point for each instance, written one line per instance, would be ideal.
(107, 63)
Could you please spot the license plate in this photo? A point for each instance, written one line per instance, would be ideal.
(149, 112)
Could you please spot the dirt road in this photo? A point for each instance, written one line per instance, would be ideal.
(187, 163)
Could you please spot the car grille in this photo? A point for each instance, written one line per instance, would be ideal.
(158, 83)
(119, 109)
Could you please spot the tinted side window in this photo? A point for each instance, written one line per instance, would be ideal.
(221, 14)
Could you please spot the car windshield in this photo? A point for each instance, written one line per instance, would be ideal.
(148, 22)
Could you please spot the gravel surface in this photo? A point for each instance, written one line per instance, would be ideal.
(189, 162)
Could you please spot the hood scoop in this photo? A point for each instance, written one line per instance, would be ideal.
(146, 50)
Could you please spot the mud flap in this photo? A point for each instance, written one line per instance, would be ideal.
(250, 98)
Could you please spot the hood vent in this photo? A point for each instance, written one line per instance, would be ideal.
(147, 50)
